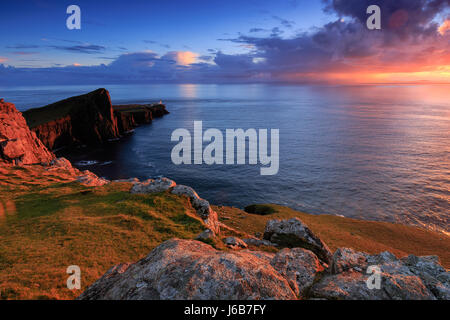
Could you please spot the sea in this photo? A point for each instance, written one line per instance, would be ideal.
(374, 152)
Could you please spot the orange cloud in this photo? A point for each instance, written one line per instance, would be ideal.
(184, 58)
(76, 65)
(444, 27)
(2, 59)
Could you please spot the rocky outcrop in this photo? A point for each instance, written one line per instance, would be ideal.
(234, 243)
(153, 186)
(410, 278)
(188, 269)
(19, 145)
(294, 233)
(87, 119)
(86, 177)
(132, 116)
(201, 206)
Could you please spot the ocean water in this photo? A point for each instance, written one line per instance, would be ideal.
(369, 152)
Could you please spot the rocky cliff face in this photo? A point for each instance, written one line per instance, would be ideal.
(19, 145)
(131, 116)
(88, 119)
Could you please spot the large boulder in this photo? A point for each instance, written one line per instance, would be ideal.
(294, 233)
(19, 145)
(188, 269)
(411, 278)
(299, 266)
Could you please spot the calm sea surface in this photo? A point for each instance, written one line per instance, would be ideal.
(371, 152)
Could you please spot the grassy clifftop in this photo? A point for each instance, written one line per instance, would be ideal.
(48, 222)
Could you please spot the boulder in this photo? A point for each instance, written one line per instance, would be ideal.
(299, 266)
(234, 243)
(19, 145)
(206, 234)
(188, 269)
(294, 233)
(91, 180)
(258, 242)
(153, 186)
(411, 278)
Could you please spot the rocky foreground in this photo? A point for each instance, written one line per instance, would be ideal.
(303, 267)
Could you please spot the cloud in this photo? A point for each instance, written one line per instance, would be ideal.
(444, 27)
(85, 48)
(284, 22)
(24, 53)
(23, 46)
(3, 59)
(412, 44)
(163, 45)
(183, 58)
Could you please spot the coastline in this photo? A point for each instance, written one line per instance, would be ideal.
(48, 202)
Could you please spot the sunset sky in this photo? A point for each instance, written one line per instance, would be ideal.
(199, 41)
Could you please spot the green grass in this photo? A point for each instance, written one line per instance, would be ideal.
(48, 227)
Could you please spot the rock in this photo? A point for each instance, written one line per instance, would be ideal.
(188, 269)
(299, 266)
(345, 259)
(134, 115)
(434, 276)
(258, 242)
(234, 243)
(294, 233)
(411, 278)
(202, 207)
(19, 145)
(153, 186)
(206, 234)
(86, 177)
(91, 180)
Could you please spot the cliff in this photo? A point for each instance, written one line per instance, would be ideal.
(133, 115)
(87, 119)
(19, 145)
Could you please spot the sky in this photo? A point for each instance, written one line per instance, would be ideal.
(199, 41)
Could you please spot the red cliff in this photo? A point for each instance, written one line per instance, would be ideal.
(18, 144)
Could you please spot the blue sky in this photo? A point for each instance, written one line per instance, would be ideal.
(199, 41)
(37, 32)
